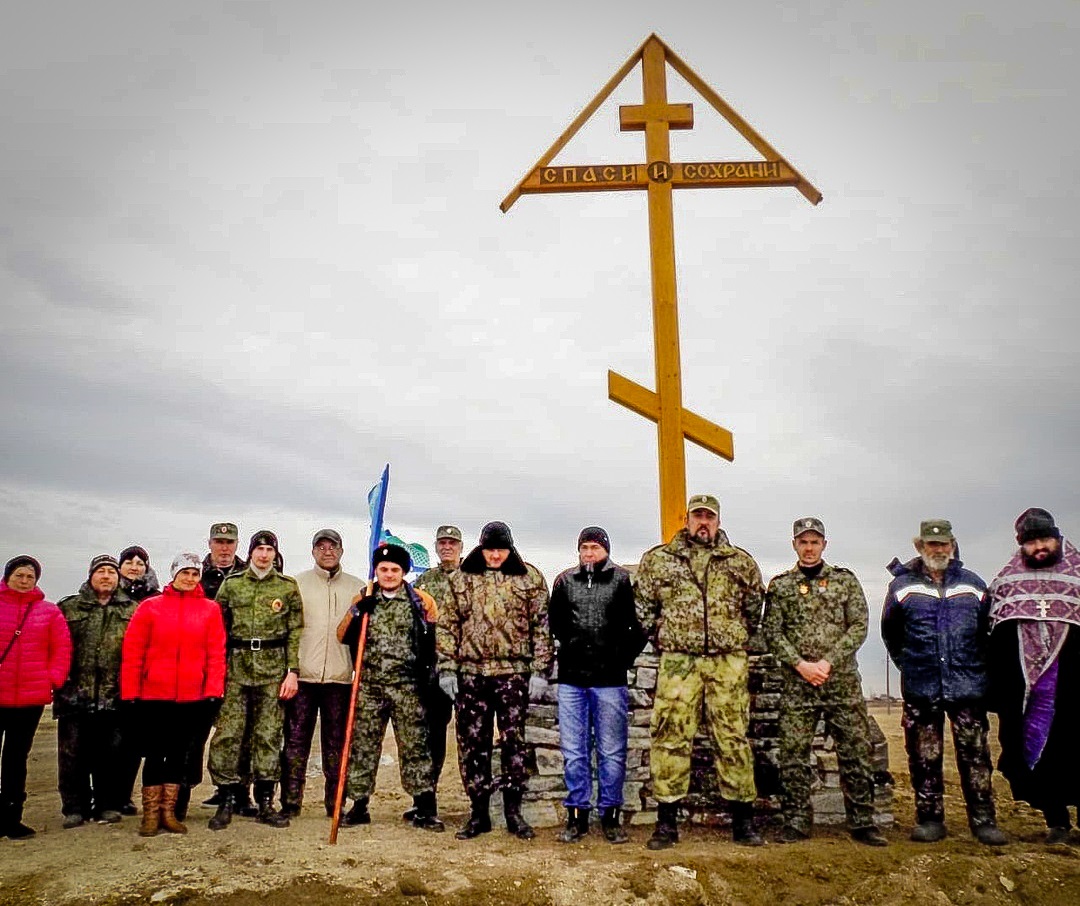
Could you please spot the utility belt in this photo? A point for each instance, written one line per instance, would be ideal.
(257, 644)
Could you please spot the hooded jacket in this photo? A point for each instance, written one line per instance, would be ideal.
(495, 621)
(38, 660)
(937, 635)
(174, 649)
(97, 636)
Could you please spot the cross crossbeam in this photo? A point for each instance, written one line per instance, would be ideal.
(659, 176)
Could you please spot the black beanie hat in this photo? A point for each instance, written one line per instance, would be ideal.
(265, 536)
(596, 535)
(1035, 523)
(130, 553)
(496, 536)
(22, 560)
(394, 553)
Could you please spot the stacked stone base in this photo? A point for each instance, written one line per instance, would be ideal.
(543, 807)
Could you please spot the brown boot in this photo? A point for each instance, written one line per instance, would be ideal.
(169, 794)
(151, 811)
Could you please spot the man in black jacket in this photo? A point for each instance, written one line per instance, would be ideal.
(592, 617)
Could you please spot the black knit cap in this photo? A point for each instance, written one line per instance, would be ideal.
(102, 560)
(264, 536)
(596, 535)
(395, 553)
(1035, 523)
(496, 536)
(22, 560)
(130, 553)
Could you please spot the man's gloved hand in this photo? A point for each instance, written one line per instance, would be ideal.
(537, 685)
(362, 605)
(448, 684)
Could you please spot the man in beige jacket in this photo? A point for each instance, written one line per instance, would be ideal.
(325, 674)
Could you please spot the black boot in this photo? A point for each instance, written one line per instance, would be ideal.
(264, 797)
(11, 821)
(666, 833)
(183, 800)
(479, 820)
(358, 814)
(245, 807)
(515, 823)
(611, 822)
(742, 825)
(226, 798)
(571, 833)
(427, 813)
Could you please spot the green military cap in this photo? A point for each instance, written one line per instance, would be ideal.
(808, 524)
(703, 502)
(936, 530)
(448, 531)
(226, 530)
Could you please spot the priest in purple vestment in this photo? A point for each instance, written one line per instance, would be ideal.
(1035, 670)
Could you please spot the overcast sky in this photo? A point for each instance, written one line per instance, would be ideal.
(251, 252)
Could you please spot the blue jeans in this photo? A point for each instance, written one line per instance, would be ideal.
(586, 714)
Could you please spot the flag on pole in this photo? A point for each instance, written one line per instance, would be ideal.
(376, 500)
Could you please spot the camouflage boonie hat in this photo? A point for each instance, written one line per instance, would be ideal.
(808, 524)
(448, 531)
(226, 530)
(703, 502)
(936, 530)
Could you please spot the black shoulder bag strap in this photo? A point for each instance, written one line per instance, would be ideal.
(18, 632)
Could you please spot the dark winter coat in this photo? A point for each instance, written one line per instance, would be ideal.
(592, 617)
(937, 634)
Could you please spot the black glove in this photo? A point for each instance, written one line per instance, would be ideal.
(365, 605)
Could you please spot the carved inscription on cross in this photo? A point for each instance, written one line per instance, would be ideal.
(659, 176)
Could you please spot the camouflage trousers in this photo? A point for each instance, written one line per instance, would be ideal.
(482, 699)
(686, 685)
(840, 703)
(924, 726)
(377, 705)
(257, 714)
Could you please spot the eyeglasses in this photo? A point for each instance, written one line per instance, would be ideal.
(324, 546)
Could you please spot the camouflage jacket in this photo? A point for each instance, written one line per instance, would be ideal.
(698, 599)
(400, 643)
(269, 610)
(494, 624)
(825, 617)
(436, 582)
(97, 638)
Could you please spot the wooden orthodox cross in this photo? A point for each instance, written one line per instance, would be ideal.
(659, 175)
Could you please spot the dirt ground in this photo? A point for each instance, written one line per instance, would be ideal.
(390, 862)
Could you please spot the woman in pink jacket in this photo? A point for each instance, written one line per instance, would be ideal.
(173, 666)
(35, 656)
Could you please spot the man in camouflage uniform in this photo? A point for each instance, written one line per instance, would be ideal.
(492, 635)
(699, 600)
(439, 708)
(815, 622)
(218, 564)
(264, 616)
(90, 731)
(398, 655)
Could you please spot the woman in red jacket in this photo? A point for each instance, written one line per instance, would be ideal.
(173, 666)
(35, 656)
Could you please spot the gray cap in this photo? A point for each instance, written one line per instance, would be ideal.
(185, 561)
(448, 531)
(808, 524)
(326, 534)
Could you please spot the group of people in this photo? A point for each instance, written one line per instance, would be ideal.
(136, 672)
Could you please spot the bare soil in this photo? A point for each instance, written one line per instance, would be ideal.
(390, 862)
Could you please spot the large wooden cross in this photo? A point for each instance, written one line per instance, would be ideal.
(659, 175)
